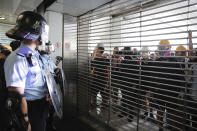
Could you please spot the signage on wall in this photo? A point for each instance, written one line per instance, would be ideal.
(67, 46)
(57, 44)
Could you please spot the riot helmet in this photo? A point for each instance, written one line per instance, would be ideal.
(30, 26)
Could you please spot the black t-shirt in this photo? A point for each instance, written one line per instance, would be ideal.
(100, 66)
(129, 74)
(171, 78)
(148, 76)
(115, 71)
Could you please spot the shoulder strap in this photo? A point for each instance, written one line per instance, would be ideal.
(28, 57)
(41, 59)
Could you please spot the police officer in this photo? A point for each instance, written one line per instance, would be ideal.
(24, 68)
(4, 52)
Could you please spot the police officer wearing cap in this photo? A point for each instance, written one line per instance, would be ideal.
(24, 68)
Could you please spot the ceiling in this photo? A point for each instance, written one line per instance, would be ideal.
(9, 9)
(76, 7)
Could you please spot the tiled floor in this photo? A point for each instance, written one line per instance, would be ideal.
(121, 124)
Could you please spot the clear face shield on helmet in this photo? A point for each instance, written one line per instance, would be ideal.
(44, 38)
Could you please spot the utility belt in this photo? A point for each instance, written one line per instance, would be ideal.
(43, 101)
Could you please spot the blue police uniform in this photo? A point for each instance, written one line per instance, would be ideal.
(24, 69)
(29, 76)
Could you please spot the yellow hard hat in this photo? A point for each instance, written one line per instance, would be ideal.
(180, 48)
(164, 42)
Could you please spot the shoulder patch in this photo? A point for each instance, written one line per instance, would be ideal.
(24, 52)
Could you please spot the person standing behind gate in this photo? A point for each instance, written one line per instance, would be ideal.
(99, 71)
(115, 70)
(147, 83)
(192, 96)
(171, 80)
(129, 76)
(192, 87)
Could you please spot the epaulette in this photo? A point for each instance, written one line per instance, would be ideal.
(25, 52)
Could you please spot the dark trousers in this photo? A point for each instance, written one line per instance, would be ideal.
(175, 117)
(38, 112)
(129, 101)
(192, 111)
(175, 112)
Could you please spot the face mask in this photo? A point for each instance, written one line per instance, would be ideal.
(44, 38)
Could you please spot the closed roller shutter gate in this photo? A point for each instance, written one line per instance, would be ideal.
(137, 64)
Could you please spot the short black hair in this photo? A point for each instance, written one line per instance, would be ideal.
(127, 48)
(15, 44)
(101, 49)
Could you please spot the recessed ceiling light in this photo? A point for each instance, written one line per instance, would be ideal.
(2, 18)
